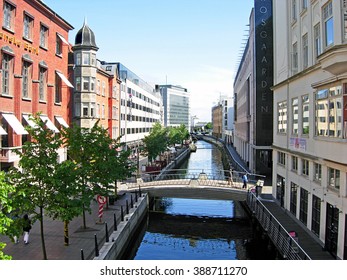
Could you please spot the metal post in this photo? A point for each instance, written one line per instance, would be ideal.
(135, 195)
(82, 254)
(96, 246)
(140, 192)
(106, 230)
(121, 213)
(131, 201)
(115, 221)
(127, 207)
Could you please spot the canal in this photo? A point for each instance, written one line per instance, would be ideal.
(196, 229)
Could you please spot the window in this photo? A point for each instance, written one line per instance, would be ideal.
(92, 110)
(295, 58)
(305, 115)
(316, 206)
(282, 117)
(78, 58)
(303, 206)
(7, 69)
(334, 178)
(42, 83)
(305, 50)
(103, 88)
(317, 40)
(85, 109)
(295, 163)
(93, 59)
(103, 111)
(57, 89)
(43, 36)
(281, 158)
(295, 116)
(78, 83)
(9, 14)
(328, 24)
(86, 83)
(293, 198)
(317, 172)
(294, 15)
(86, 58)
(305, 167)
(58, 45)
(303, 4)
(98, 87)
(28, 27)
(26, 78)
(329, 113)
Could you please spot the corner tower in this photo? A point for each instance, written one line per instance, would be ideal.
(85, 71)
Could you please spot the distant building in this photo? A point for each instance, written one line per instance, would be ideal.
(33, 74)
(253, 98)
(140, 104)
(222, 118)
(176, 104)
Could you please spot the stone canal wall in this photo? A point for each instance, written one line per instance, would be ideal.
(119, 240)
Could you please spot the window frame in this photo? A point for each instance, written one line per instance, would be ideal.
(305, 51)
(44, 36)
(295, 116)
(28, 26)
(334, 182)
(282, 117)
(305, 167)
(9, 11)
(305, 120)
(328, 19)
(7, 71)
(58, 89)
(26, 78)
(42, 84)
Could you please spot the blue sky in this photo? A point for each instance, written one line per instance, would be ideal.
(192, 43)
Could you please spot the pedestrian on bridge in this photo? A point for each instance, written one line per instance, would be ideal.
(245, 181)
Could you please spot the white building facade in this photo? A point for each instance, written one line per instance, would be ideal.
(310, 117)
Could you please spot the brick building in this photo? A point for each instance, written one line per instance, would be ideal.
(33, 72)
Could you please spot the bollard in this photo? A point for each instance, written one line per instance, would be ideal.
(82, 255)
(106, 230)
(131, 201)
(115, 221)
(135, 195)
(96, 246)
(139, 191)
(121, 214)
(127, 207)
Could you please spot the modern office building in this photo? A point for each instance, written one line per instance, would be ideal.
(140, 104)
(176, 104)
(33, 73)
(310, 119)
(253, 99)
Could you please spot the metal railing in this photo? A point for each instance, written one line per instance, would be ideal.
(287, 246)
(221, 178)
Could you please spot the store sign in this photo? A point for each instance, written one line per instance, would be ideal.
(264, 71)
(18, 43)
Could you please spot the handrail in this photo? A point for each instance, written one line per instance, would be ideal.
(285, 243)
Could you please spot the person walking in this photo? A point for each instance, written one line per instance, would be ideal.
(26, 228)
(245, 181)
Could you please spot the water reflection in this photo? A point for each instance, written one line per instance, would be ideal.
(189, 229)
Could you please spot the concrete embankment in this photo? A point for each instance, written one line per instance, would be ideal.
(119, 239)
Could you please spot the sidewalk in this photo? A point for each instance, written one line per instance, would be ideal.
(79, 238)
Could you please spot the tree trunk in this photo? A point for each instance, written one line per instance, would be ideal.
(42, 235)
(66, 233)
(84, 218)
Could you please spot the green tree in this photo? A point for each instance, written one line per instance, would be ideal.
(36, 175)
(5, 210)
(156, 142)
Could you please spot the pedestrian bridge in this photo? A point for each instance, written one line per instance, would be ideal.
(199, 184)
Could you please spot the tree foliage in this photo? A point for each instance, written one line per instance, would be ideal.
(156, 142)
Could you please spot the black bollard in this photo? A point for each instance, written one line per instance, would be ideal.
(121, 213)
(127, 207)
(135, 195)
(115, 221)
(139, 191)
(82, 255)
(106, 230)
(131, 201)
(96, 246)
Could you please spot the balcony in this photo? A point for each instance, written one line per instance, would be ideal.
(8, 154)
(334, 60)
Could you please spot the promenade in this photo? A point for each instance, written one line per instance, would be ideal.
(79, 238)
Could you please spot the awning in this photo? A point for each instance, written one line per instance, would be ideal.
(61, 121)
(49, 123)
(65, 80)
(63, 39)
(29, 121)
(2, 131)
(15, 124)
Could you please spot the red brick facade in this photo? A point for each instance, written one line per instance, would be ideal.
(34, 64)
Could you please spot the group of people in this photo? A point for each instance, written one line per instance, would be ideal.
(26, 227)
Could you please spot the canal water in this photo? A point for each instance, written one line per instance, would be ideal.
(195, 229)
